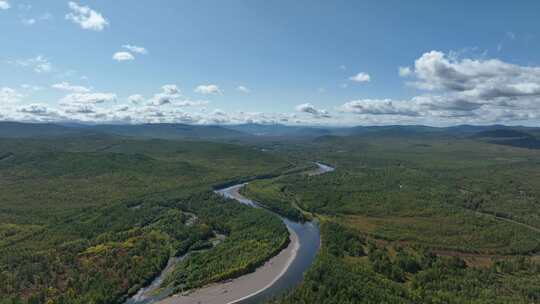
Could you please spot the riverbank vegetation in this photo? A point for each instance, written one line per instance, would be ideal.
(253, 237)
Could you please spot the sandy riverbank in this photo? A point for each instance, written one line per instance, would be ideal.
(245, 286)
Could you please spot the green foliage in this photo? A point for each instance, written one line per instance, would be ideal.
(430, 209)
(92, 220)
(253, 236)
(272, 195)
(340, 241)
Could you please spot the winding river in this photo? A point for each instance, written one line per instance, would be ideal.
(276, 276)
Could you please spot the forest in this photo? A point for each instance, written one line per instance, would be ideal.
(92, 220)
(403, 219)
(416, 220)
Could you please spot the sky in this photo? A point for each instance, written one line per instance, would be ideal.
(292, 62)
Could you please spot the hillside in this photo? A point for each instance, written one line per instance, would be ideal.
(162, 131)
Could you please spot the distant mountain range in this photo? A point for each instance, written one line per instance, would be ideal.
(163, 131)
(526, 137)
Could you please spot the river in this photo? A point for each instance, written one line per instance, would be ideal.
(276, 276)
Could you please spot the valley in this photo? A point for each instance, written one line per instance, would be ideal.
(403, 219)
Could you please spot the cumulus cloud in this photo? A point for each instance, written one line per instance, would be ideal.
(460, 91)
(361, 77)
(30, 87)
(191, 103)
(39, 64)
(209, 89)
(80, 108)
(453, 89)
(28, 21)
(168, 94)
(39, 110)
(136, 99)
(243, 89)
(404, 71)
(86, 17)
(33, 20)
(123, 56)
(170, 89)
(105, 113)
(379, 107)
(489, 81)
(66, 86)
(88, 98)
(310, 109)
(4, 5)
(476, 78)
(9, 96)
(135, 49)
(171, 95)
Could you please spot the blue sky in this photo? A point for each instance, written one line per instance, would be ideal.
(294, 62)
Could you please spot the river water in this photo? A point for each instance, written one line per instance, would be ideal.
(309, 243)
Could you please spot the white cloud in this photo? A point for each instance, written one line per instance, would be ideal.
(379, 107)
(343, 67)
(123, 56)
(39, 64)
(243, 89)
(9, 95)
(476, 78)
(4, 5)
(459, 91)
(121, 108)
(40, 111)
(28, 21)
(169, 94)
(170, 89)
(66, 86)
(86, 17)
(33, 20)
(88, 98)
(191, 103)
(404, 71)
(210, 89)
(31, 87)
(310, 109)
(135, 49)
(136, 99)
(453, 90)
(361, 77)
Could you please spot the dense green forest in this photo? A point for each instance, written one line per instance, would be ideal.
(404, 219)
(416, 220)
(91, 220)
